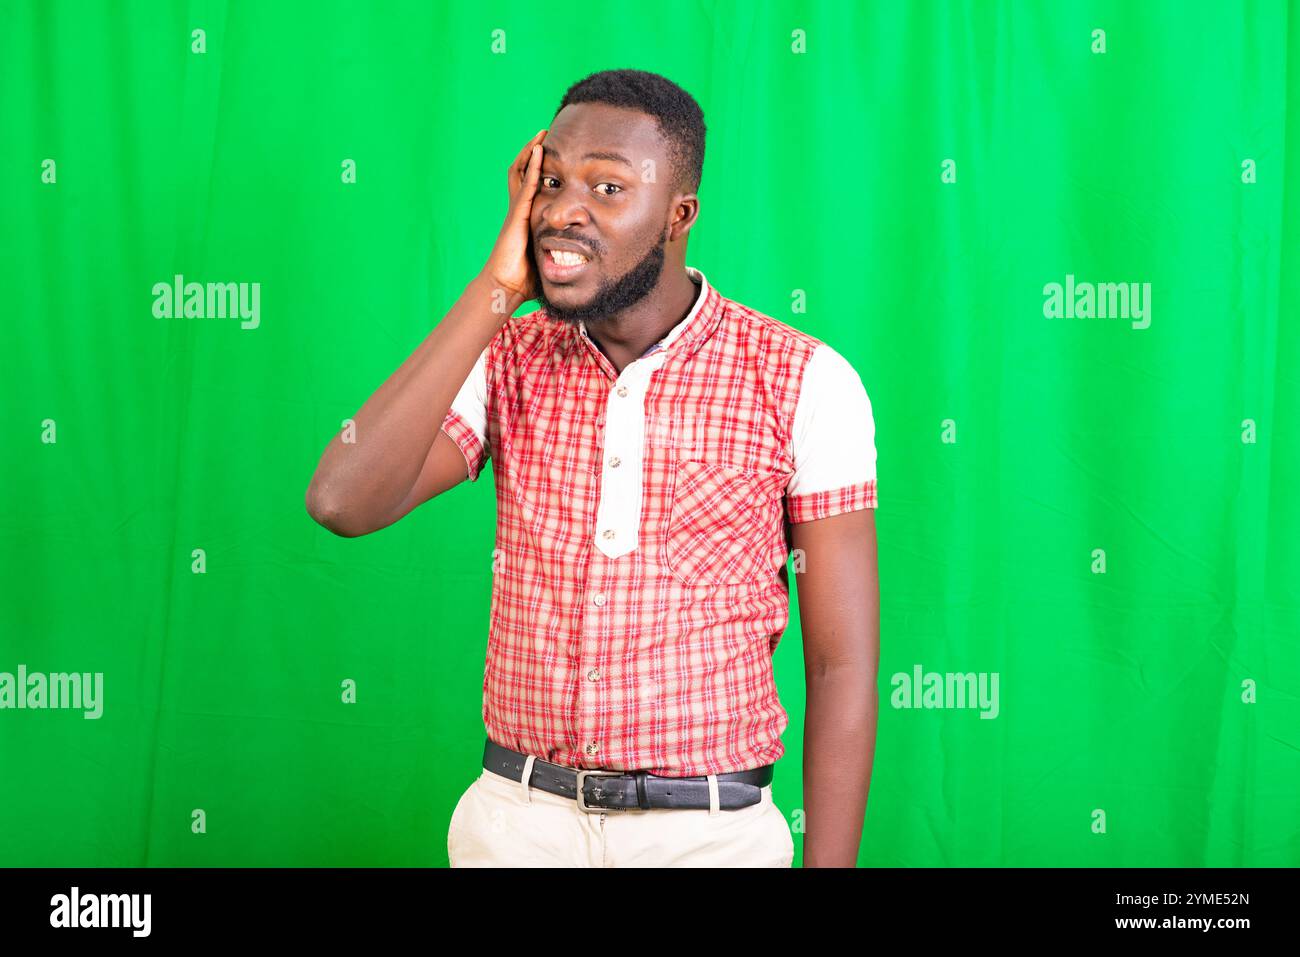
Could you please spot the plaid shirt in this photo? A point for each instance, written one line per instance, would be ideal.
(643, 530)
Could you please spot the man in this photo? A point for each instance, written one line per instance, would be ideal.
(658, 449)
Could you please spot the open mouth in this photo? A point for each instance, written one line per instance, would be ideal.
(561, 265)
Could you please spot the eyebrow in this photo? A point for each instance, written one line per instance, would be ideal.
(596, 155)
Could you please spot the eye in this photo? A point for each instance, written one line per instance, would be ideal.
(614, 186)
(545, 178)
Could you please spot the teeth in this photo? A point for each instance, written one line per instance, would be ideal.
(562, 257)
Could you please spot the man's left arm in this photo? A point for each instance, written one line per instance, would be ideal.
(839, 609)
(831, 509)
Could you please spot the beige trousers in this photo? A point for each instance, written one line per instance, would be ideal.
(502, 823)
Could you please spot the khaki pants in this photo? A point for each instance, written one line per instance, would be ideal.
(500, 823)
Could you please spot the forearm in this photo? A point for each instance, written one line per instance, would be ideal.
(839, 746)
(357, 485)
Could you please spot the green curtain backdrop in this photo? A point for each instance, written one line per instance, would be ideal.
(1098, 513)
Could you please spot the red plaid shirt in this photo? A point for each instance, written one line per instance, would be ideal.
(643, 530)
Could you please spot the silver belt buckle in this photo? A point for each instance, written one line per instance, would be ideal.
(582, 774)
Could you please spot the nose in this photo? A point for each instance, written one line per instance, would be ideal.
(564, 208)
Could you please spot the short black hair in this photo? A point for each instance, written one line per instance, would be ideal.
(680, 119)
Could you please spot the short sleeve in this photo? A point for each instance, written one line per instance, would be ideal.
(833, 441)
(466, 420)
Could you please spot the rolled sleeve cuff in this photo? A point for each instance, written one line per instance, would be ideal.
(815, 505)
(460, 432)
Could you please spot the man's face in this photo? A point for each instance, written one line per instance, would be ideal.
(591, 202)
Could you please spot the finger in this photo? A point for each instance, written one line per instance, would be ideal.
(515, 174)
(521, 158)
(527, 159)
(532, 174)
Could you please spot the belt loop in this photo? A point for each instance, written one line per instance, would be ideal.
(526, 780)
(713, 796)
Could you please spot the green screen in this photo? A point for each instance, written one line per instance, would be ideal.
(1099, 511)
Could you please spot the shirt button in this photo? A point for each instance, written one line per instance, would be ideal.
(600, 598)
(613, 463)
(593, 674)
(609, 533)
(621, 390)
(592, 748)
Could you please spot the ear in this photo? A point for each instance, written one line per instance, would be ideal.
(683, 212)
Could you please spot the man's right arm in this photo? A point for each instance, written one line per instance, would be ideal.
(399, 456)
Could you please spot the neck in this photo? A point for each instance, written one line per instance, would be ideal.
(623, 337)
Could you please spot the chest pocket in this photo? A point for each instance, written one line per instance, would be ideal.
(724, 524)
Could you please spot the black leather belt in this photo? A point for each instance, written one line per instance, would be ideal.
(600, 790)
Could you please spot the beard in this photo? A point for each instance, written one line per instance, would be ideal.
(613, 295)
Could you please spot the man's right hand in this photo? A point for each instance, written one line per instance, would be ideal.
(511, 266)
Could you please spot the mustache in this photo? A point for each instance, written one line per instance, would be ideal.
(590, 245)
